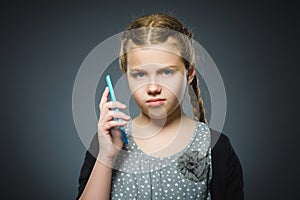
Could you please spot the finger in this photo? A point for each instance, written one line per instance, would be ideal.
(104, 97)
(111, 124)
(116, 133)
(114, 104)
(111, 115)
(116, 114)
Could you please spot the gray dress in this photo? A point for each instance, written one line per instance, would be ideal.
(184, 175)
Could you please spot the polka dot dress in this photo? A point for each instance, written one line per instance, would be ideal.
(185, 175)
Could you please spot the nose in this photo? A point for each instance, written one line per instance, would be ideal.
(153, 88)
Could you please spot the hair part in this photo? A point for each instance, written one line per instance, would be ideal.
(157, 29)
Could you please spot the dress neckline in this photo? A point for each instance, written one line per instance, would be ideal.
(139, 150)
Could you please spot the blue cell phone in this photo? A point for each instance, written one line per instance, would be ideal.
(113, 98)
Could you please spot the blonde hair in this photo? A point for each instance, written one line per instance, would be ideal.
(160, 28)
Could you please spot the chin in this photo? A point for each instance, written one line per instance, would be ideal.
(155, 112)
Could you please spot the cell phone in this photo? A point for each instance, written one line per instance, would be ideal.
(113, 98)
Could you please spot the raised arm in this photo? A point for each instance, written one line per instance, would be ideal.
(98, 171)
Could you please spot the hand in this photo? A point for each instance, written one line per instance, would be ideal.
(109, 135)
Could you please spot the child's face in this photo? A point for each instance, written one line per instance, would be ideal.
(157, 79)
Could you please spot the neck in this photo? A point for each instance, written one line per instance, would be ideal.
(145, 120)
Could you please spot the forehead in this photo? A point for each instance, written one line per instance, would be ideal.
(148, 56)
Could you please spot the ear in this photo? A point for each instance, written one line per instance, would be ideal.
(191, 74)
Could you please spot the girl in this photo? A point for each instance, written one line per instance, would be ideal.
(169, 155)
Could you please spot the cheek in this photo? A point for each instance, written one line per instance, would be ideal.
(176, 89)
(133, 87)
(137, 93)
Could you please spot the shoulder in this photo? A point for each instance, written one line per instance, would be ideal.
(222, 149)
(219, 141)
(227, 170)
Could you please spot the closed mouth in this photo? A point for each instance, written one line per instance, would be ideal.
(155, 100)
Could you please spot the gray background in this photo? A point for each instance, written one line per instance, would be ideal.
(254, 44)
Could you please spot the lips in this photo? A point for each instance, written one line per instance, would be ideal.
(155, 102)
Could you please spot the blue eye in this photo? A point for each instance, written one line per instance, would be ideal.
(168, 72)
(138, 74)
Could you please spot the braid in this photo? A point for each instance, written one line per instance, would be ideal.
(153, 29)
(196, 101)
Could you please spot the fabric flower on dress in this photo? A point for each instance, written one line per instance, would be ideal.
(193, 166)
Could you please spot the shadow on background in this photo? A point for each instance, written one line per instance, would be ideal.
(44, 44)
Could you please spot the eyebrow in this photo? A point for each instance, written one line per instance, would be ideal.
(165, 67)
(136, 70)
